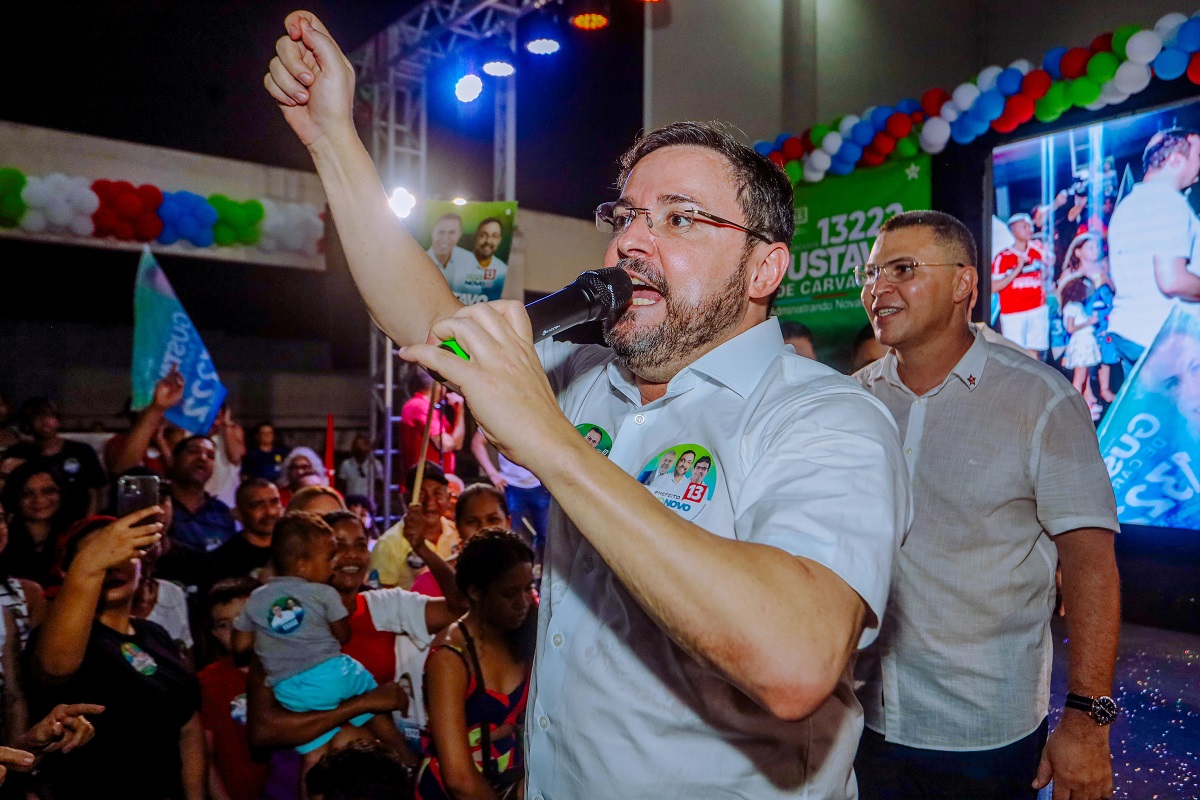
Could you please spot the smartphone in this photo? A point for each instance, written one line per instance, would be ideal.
(135, 492)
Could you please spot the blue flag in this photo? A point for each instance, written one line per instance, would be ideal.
(164, 337)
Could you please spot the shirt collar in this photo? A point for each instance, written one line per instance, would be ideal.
(737, 364)
(969, 368)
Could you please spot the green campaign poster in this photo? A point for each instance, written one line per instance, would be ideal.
(836, 224)
(471, 244)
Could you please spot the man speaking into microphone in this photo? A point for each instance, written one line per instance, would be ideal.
(691, 645)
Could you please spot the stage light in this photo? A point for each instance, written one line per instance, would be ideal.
(402, 202)
(590, 15)
(468, 88)
(543, 35)
(498, 61)
(459, 201)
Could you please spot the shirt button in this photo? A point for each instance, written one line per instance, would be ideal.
(639, 419)
(557, 639)
(543, 722)
(908, 450)
(588, 564)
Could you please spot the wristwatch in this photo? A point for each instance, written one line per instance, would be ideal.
(1102, 710)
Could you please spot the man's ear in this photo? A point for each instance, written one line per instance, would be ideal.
(769, 271)
(966, 283)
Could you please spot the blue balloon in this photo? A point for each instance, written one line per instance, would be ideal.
(780, 139)
(908, 106)
(1187, 38)
(169, 234)
(1052, 61)
(990, 105)
(205, 213)
(960, 131)
(763, 147)
(839, 167)
(978, 125)
(862, 133)
(849, 151)
(879, 117)
(1171, 63)
(1009, 81)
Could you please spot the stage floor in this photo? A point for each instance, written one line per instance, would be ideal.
(1156, 740)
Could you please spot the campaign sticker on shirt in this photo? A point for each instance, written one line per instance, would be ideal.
(596, 436)
(139, 659)
(285, 615)
(71, 466)
(237, 709)
(683, 477)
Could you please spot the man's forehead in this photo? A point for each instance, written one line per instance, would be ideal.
(686, 173)
(916, 241)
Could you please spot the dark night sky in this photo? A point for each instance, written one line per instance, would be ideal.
(187, 75)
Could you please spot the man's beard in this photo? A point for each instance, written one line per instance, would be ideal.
(684, 329)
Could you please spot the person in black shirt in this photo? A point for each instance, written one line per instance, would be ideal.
(75, 461)
(37, 498)
(149, 742)
(264, 457)
(258, 509)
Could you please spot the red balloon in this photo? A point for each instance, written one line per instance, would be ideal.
(917, 117)
(124, 230)
(151, 196)
(1036, 83)
(129, 205)
(104, 190)
(1102, 43)
(883, 144)
(933, 100)
(1074, 63)
(806, 140)
(871, 158)
(793, 148)
(105, 220)
(1005, 123)
(148, 226)
(123, 186)
(776, 157)
(1193, 70)
(898, 125)
(1020, 107)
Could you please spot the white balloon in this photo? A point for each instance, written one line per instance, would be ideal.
(80, 184)
(1168, 25)
(819, 160)
(59, 212)
(987, 77)
(932, 147)
(35, 193)
(1143, 46)
(1096, 106)
(965, 95)
(868, 111)
(33, 221)
(832, 142)
(1022, 64)
(58, 183)
(813, 175)
(848, 122)
(936, 131)
(84, 200)
(82, 225)
(950, 111)
(1112, 95)
(1131, 78)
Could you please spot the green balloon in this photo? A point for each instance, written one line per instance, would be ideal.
(907, 147)
(224, 234)
(235, 214)
(794, 170)
(1121, 37)
(248, 235)
(1084, 91)
(1045, 110)
(254, 211)
(818, 134)
(11, 180)
(1102, 67)
(1059, 95)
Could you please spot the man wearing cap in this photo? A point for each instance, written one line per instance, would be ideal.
(1017, 278)
(1152, 244)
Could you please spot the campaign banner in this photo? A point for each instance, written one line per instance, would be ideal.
(1150, 438)
(837, 221)
(471, 244)
(165, 338)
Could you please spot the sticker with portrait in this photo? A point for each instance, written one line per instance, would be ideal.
(682, 477)
(596, 436)
(285, 615)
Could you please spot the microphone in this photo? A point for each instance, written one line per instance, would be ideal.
(596, 294)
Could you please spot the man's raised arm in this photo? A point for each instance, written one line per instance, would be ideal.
(313, 82)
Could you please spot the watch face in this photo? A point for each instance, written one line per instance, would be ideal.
(1104, 710)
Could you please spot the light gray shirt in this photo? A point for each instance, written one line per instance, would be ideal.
(1003, 457)
(290, 619)
(616, 708)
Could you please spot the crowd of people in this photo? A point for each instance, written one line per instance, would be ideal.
(201, 648)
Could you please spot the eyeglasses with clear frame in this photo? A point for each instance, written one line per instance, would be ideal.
(673, 220)
(900, 270)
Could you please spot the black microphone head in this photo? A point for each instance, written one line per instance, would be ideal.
(611, 286)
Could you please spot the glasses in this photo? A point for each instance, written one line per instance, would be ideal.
(901, 270)
(676, 220)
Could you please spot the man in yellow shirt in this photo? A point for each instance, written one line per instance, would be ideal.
(393, 562)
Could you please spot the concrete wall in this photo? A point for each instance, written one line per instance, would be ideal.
(553, 251)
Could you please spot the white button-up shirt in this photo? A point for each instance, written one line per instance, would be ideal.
(1003, 456)
(801, 459)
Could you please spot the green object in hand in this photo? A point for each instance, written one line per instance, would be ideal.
(453, 346)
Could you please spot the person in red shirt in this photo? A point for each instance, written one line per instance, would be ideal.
(1017, 277)
(445, 437)
(233, 774)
